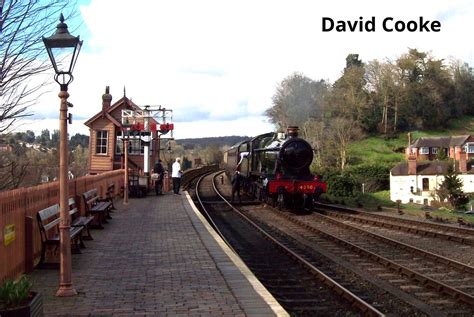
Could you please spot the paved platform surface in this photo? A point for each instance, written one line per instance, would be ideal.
(157, 257)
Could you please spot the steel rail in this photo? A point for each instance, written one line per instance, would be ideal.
(425, 280)
(204, 209)
(406, 228)
(353, 299)
(435, 226)
(433, 256)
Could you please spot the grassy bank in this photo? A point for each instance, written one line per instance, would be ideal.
(381, 201)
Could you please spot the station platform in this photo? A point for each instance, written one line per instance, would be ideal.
(157, 257)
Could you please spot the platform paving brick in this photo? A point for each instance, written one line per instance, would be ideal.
(152, 259)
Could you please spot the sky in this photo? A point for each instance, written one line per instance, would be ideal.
(218, 63)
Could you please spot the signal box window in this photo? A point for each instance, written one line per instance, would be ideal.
(101, 142)
(135, 146)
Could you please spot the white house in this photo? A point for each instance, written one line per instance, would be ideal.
(417, 179)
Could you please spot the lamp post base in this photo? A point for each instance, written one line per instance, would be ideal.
(66, 291)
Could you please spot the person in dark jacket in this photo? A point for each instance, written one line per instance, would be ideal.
(236, 181)
(158, 169)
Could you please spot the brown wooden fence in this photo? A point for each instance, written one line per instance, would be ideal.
(16, 205)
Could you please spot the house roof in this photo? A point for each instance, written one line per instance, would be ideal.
(442, 142)
(124, 101)
(422, 168)
(428, 168)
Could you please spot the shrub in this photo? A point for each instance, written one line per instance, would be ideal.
(342, 185)
(15, 293)
(376, 177)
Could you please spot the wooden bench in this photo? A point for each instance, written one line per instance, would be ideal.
(48, 222)
(109, 196)
(96, 207)
(80, 221)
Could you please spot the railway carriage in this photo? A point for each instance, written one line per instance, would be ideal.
(275, 167)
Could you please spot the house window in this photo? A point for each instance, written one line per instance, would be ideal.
(469, 148)
(426, 184)
(134, 146)
(424, 150)
(101, 142)
(434, 150)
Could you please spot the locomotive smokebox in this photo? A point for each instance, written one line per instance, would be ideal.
(292, 131)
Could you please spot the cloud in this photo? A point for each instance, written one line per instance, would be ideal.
(214, 72)
(221, 61)
(190, 114)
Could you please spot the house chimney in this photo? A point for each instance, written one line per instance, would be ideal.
(292, 131)
(462, 163)
(408, 151)
(412, 164)
(106, 100)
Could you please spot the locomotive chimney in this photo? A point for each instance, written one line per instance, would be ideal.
(292, 131)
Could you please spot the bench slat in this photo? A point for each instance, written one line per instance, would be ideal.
(73, 211)
(51, 224)
(83, 221)
(48, 212)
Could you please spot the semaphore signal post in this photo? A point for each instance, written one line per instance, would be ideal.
(143, 122)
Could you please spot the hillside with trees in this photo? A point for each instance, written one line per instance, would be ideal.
(372, 102)
(28, 160)
(220, 141)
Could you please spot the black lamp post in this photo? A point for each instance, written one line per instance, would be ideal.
(63, 50)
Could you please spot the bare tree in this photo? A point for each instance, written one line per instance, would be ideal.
(314, 132)
(13, 168)
(342, 132)
(383, 80)
(22, 53)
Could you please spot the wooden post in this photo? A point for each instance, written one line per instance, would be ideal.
(125, 185)
(29, 257)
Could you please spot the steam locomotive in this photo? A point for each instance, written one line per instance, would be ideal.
(275, 168)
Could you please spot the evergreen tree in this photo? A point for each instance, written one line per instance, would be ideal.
(451, 189)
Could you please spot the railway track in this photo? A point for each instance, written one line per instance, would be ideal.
(436, 281)
(413, 281)
(421, 228)
(300, 287)
(412, 232)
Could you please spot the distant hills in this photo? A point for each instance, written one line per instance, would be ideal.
(204, 142)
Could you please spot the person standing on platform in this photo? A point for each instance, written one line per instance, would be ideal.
(236, 182)
(176, 173)
(158, 169)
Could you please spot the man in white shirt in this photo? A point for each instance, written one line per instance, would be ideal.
(176, 175)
